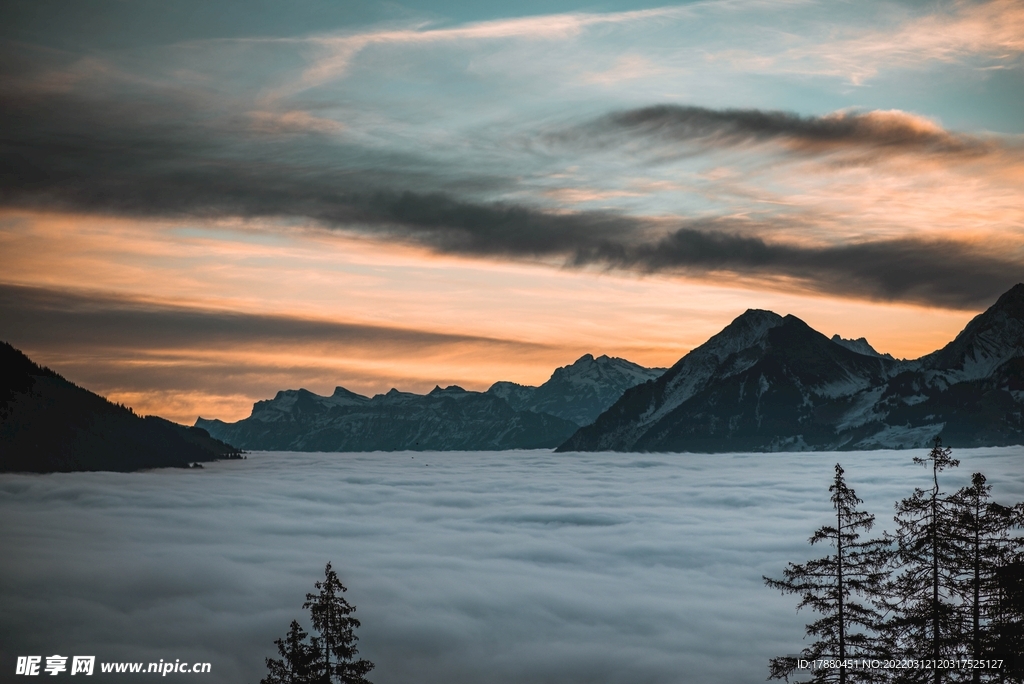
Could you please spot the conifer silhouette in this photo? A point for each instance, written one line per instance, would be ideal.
(841, 587)
(923, 593)
(329, 658)
(331, 616)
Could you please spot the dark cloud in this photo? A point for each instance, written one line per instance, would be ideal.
(43, 318)
(166, 156)
(940, 272)
(870, 133)
(180, 360)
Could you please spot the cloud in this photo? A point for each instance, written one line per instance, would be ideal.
(335, 53)
(45, 316)
(293, 122)
(977, 34)
(481, 567)
(873, 132)
(160, 157)
(993, 30)
(945, 273)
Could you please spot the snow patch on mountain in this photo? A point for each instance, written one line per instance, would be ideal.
(693, 372)
(580, 391)
(861, 346)
(901, 437)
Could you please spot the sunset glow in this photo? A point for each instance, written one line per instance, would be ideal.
(200, 213)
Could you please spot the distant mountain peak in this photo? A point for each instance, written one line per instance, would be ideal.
(450, 389)
(342, 393)
(859, 345)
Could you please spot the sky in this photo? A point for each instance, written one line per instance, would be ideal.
(464, 567)
(202, 203)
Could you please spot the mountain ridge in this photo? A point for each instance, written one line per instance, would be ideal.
(506, 416)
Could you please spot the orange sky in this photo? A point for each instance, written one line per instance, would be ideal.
(548, 316)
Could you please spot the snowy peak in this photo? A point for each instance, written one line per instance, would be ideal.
(580, 391)
(449, 391)
(343, 396)
(767, 383)
(749, 329)
(518, 396)
(288, 402)
(859, 345)
(740, 343)
(590, 371)
(989, 340)
(762, 374)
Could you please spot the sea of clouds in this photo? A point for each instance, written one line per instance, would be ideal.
(484, 568)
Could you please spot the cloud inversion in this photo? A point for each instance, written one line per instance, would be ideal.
(464, 567)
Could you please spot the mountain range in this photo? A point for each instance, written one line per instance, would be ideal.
(764, 383)
(506, 416)
(48, 424)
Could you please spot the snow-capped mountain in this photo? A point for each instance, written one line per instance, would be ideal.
(771, 383)
(859, 345)
(990, 340)
(579, 392)
(766, 382)
(449, 419)
(507, 416)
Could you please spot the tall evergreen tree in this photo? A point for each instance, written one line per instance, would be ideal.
(924, 622)
(1006, 628)
(841, 587)
(983, 532)
(328, 658)
(299, 662)
(332, 617)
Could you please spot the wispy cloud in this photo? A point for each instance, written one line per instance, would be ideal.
(961, 32)
(332, 55)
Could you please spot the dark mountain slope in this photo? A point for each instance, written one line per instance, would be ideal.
(48, 424)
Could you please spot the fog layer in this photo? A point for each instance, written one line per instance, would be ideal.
(495, 568)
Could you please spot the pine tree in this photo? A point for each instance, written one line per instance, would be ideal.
(841, 587)
(924, 624)
(983, 528)
(1006, 628)
(328, 658)
(299, 660)
(331, 616)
